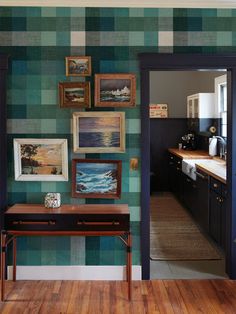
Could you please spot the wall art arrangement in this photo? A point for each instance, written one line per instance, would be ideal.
(40, 159)
(95, 178)
(74, 94)
(93, 132)
(78, 66)
(99, 132)
(115, 90)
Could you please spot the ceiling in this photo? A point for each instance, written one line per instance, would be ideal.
(124, 3)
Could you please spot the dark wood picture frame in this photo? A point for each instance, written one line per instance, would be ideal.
(115, 90)
(78, 66)
(92, 174)
(78, 94)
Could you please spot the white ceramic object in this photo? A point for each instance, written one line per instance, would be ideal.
(52, 200)
(213, 146)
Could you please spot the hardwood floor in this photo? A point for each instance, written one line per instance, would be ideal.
(93, 297)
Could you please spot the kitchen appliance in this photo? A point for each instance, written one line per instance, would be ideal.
(189, 141)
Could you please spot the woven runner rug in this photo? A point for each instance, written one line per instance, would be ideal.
(175, 235)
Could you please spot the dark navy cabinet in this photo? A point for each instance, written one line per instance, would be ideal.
(175, 175)
(218, 198)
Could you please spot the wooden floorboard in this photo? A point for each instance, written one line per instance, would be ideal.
(110, 297)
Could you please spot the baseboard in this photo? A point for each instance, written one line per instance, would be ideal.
(73, 272)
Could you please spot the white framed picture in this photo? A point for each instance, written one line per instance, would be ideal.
(40, 159)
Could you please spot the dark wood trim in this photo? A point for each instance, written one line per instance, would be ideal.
(154, 62)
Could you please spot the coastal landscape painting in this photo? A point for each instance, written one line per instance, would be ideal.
(115, 90)
(40, 159)
(94, 178)
(98, 132)
(78, 66)
(74, 94)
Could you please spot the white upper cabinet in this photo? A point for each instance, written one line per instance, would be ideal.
(201, 105)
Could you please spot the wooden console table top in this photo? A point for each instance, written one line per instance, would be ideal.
(69, 209)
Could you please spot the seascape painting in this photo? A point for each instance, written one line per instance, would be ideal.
(98, 132)
(78, 66)
(96, 178)
(40, 159)
(115, 90)
(74, 94)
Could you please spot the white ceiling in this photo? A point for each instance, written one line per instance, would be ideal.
(124, 3)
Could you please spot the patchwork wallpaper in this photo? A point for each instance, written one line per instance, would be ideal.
(37, 41)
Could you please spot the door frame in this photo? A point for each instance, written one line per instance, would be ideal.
(183, 62)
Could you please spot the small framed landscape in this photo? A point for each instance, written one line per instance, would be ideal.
(40, 159)
(115, 90)
(74, 94)
(99, 132)
(78, 66)
(95, 178)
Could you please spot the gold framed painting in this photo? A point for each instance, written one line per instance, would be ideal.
(78, 66)
(115, 90)
(74, 94)
(40, 159)
(99, 132)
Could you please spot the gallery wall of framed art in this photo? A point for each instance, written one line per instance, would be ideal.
(94, 131)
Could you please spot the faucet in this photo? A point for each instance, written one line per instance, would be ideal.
(223, 151)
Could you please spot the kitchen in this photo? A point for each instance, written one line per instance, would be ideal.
(182, 163)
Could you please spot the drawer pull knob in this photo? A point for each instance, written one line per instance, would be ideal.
(215, 185)
(22, 222)
(98, 223)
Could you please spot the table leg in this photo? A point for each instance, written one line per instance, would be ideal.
(14, 259)
(129, 265)
(3, 263)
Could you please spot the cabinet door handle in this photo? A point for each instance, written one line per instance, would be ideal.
(171, 157)
(21, 222)
(215, 185)
(200, 175)
(98, 223)
(171, 163)
(179, 162)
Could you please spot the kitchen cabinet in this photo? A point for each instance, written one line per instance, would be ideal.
(200, 105)
(175, 176)
(200, 111)
(190, 194)
(201, 212)
(218, 198)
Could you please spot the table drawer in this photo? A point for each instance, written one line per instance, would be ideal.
(55, 222)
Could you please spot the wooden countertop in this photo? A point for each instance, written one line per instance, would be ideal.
(189, 154)
(213, 166)
(69, 209)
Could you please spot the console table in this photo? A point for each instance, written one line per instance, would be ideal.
(71, 220)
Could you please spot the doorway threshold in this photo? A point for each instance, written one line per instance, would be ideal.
(208, 269)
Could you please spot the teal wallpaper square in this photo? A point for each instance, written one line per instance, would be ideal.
(37, 41)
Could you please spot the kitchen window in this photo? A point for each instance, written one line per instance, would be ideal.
(221, 101)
